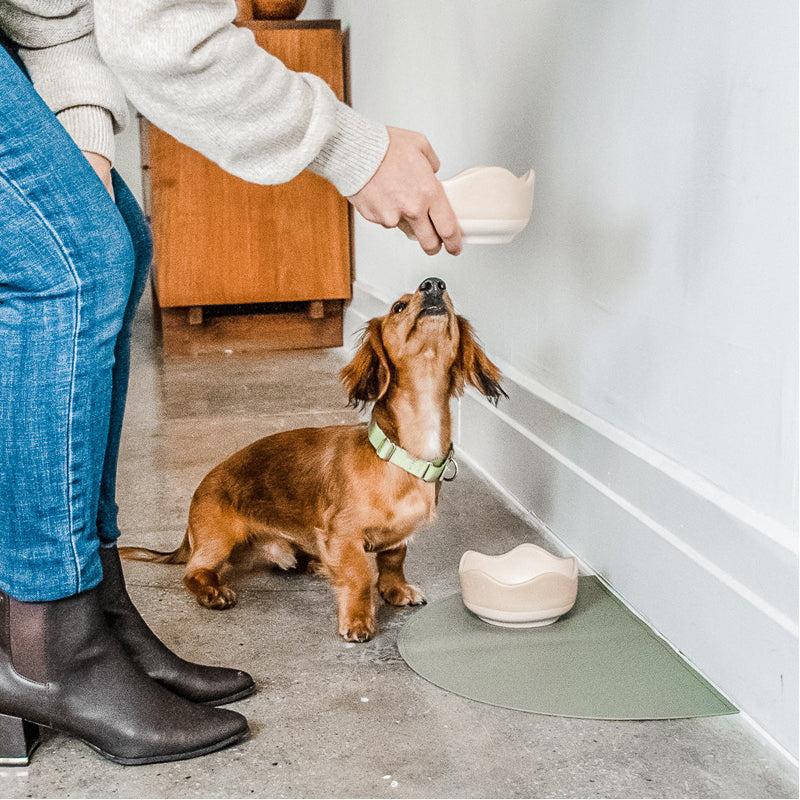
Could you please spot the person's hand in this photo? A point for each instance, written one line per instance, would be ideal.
(102, 166)
(404, 193)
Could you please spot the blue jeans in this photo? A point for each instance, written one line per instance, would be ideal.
(73, 265)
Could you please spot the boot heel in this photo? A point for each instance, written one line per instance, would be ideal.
(18, 740)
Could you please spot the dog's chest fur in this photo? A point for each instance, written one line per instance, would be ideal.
(412, 507)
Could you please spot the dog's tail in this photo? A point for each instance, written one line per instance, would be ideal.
(179, 556)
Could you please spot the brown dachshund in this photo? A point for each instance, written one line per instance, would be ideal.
(329, 496)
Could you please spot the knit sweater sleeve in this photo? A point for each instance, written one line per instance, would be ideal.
(57, 46)
(194, 74)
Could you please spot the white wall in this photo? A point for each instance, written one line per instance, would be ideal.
(647, 318)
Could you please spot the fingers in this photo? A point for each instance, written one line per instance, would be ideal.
(438, 227)
(406, 228)
(435, 225)
(444, 220)
(426, 235)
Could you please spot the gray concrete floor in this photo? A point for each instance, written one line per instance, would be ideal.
(340, 720)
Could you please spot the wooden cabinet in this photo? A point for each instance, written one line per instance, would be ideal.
(237, 265)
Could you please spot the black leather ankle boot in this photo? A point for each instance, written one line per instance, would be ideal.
(61, 666)
(201, 684)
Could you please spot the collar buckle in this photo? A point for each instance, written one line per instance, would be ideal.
(445, 470)
(450, 462)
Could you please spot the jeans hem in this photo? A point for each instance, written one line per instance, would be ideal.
(91, 577)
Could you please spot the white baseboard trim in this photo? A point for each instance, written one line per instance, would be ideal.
(717, 579)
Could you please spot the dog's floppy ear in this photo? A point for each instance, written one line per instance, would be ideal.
(472, 366)
(367, 375)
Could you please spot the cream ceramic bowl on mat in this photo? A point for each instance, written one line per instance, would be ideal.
(525, 587)
(492, 204)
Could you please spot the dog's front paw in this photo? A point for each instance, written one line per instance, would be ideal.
(406, 595)
(217, 597)
(357, 630)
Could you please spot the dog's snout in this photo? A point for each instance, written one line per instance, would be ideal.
(432, 286)
(432, 297)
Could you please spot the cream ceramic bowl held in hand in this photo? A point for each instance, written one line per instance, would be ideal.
(492, 204)
(523, 588)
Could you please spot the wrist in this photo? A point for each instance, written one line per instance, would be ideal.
(91, 128)
(102, 167)
(352, 155)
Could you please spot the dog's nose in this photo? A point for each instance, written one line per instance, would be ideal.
(432, 286)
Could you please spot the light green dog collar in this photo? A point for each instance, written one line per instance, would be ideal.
(429, 471)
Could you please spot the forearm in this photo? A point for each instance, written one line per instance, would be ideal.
(207, 83)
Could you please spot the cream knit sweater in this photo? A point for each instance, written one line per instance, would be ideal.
(191, 72)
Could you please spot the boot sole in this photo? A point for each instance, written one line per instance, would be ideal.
(23, 758)
(232, 698)
(161, 759)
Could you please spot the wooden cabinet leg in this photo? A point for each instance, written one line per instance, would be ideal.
(195, 315)
(316, 309)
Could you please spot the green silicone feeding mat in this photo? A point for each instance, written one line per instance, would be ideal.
(599, 661)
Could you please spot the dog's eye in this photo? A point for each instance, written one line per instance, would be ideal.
(398, 307)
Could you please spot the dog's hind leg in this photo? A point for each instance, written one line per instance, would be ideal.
(213, 537)
(207, 586)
